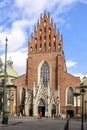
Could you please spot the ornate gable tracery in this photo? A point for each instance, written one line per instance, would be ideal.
(45, 38)
(41, 93)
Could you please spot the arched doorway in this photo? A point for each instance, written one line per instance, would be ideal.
(22, 105)
(41, 108)
(70, 102)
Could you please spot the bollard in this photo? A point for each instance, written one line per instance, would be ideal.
(67, 125)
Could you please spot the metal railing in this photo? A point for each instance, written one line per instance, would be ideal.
(66, 127)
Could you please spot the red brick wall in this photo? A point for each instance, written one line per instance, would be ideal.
(20, 83)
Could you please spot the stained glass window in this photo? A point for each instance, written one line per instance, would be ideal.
(45, 73)
(70, 98)
(23, 96)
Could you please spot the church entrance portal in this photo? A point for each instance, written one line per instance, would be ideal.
(41, 110)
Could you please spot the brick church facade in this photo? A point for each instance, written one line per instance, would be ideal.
(47, 85)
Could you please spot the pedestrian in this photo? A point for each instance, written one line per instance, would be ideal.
(46, 114)
(38, 115)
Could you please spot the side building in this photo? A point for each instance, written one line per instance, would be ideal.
(11, 74)
(84, 86)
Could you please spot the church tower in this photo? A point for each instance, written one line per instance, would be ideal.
(44, 48)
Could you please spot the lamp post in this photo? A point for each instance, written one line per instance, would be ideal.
(82, 93)
(57, 107)
(5, 116)
(85, 110)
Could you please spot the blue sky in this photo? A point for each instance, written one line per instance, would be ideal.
(17, 21)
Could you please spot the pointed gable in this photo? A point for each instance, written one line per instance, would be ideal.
(45, 38)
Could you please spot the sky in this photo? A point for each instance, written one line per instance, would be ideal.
(17, 21)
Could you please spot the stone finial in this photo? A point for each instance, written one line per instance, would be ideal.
(55, 25)
(29, 40)
(34, 28)
(44, 13)
(38, 23)
(52, 22)
(48, 14)
(62, 38)
(40, 16)
(31, 35)
(58, 33)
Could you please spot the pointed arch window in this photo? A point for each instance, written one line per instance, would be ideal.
(40, 31)
(70, 98)
(45, 30)
(36, 47)
(35, 40)
(45, 73)
(44, 23)
(49, 30)
(44, 38)
(23, 96)
(31, 49)
(54, 45)
(59, 46)
(54, 38)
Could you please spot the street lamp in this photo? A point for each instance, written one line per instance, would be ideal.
(57, 107)
(5, 116)
(82, 93)
(85, 110)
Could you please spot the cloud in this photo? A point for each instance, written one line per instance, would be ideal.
(79, 75)
(3, 3)
(16, 39)
(19, 60)
(70, 63)
(83, 1)
(68, 26)
(31, 9)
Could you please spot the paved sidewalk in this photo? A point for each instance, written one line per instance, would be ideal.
(14, 120)
(10, 122)
(72, 125)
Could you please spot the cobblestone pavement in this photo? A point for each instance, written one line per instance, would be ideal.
(27, 123)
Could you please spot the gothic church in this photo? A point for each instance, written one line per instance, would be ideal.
(47, 88)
